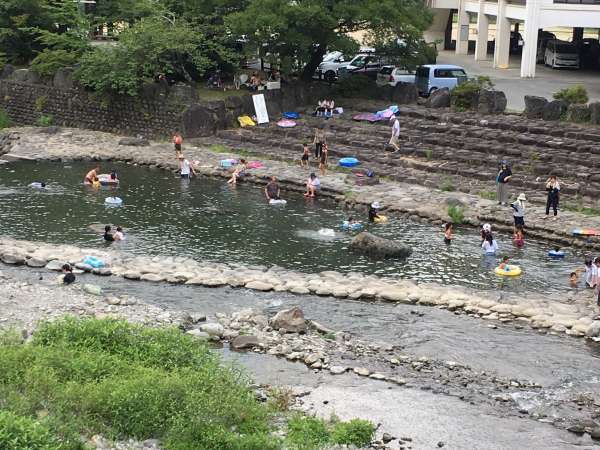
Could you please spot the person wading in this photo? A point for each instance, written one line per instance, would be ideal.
(503, 177)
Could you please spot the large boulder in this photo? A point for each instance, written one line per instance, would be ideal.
(372, 245)
(199, 121)
(25, 76)
(594, 108)
(291, 320)
(491, 102)
(439, 99)
(554, 110)
(578, 113)
(7, 71)
(405, 93)
(534, 106)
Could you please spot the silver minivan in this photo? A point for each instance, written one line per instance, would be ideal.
(561, 54)
(431, 77)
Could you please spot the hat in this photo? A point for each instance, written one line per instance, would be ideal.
(487, 227)
(376, 205)
(522, 197)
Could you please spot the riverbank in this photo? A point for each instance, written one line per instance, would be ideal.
(402, 200)
(368, 370)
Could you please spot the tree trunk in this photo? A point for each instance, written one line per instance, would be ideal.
(315, 59)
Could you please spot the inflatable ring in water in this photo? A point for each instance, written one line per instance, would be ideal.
(113, 201)
(106, 180)
(556, 254)
(354, 227)
(510, 271)
(381, 219)
(96, 263)
(280, 201)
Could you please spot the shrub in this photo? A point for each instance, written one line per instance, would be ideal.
(45, 121)
(356, 432)
(40, 102)
(573, 94)
(355, 86)
(488, 195)
(5, 121)
(456, 213)
(465, 95)
(18, 433)
(307, 432)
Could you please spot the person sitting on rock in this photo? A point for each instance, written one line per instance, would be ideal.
(373, 211)
(313, 184)
(68, 276)
(272, 190)
(108, 235)
(238, 172)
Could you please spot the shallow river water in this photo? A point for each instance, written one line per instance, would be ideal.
(208, 219)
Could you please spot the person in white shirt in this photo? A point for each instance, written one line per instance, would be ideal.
(489, 246)
(187, 169)
(313, 184)
(119, 235)
(394, 140)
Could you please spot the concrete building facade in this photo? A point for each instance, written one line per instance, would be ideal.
(531, 15)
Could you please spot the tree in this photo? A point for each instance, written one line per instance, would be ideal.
(149, 47)
(302, 31)
(112, 13)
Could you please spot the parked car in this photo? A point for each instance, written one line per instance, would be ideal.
(543, 38)
(391, 75)
(329, 68)
(432, 77)
(561, 54)
(368, 65)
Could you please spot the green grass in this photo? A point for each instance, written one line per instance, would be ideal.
(456, 213)
(18, 433)
(45, 120)
(447, 185)
(5, 121)
(428, 154)
(487, 195)
(122, 380)
(306, 433)
(579, 207)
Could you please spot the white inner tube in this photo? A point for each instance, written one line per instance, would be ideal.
(274, 201)
(113, 201)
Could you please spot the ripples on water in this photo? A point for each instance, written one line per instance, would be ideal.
(208, 219)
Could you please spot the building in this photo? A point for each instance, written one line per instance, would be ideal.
(527, 17)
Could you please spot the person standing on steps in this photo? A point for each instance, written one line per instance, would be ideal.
(553, 189)
(503, 177)
(395, 139)
(519, 212)
(319, 141)
(177, 141)
(323, 161)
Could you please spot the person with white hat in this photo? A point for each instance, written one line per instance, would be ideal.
(394, 140)
(373, 211)
(486, 230)
(519, 211)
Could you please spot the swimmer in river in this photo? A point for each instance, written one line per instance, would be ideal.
(373, 211)
(448, 236)
(92, 176)
(272, 190)
(119, 235)
(108, 235)
(504, 264)
(38, 185)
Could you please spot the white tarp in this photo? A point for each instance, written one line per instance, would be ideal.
(260, 107)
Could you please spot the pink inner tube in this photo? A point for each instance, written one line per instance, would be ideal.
(286, 123)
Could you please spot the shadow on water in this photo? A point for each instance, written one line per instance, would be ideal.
(208, 219)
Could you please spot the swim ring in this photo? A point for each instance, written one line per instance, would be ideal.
(326, 232)
(105, 180)
(585, 232)
(353, 227)
(348, 162)
(96, 263)
(113, 201)
(286, 123)
(556, 254)
(291, 115)
(280, 201)
(509, 271)
(381, 219)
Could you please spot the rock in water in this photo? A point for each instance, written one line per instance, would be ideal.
(291, 320)
(242, 342)
(372, 245)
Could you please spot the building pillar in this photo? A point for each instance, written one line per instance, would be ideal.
(502, 47)
(532, 24)
(462, 29)
(483, 24)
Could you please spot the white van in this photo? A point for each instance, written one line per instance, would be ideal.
(561, 54)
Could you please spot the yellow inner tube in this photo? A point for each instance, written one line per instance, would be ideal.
(381, 219)
(512, 271)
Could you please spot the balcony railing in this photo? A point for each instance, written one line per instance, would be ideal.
(578, 2)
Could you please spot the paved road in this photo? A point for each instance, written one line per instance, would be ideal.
(546, 82)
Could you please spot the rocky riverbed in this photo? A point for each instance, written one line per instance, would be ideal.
(575, 317)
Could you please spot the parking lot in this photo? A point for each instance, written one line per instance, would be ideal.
(546, 82)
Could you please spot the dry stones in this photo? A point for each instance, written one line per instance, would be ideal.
(291, 320)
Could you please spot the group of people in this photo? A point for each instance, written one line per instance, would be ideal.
(325, 108)
(92, 178)
(186, 168)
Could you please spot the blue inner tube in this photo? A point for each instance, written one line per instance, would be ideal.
(556, 254)
(348, 162)
(291, 115)
(93, 261)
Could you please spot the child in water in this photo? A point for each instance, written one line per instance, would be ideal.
(305, 155)
(504, 264)
(518, 239)
(373, 211)
(68, 276)
(448, 236)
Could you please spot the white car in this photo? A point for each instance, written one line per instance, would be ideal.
(561, 54)
(391, 76)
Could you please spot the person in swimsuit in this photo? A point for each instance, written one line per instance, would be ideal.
(519, 239)
(119, 235)
(323, 160)
(239, 171)
(108, 235)
(448, 236)
(272, 189)
(92, 176)
(305, 156)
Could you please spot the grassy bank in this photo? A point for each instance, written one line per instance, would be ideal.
(85, 377)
